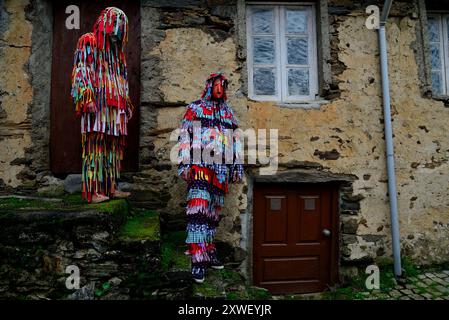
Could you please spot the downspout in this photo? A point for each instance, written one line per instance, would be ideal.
(395, 237)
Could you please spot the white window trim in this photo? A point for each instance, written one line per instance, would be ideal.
(281, 53)
(442, 18)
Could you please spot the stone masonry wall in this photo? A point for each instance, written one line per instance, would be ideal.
(183, 41)
(343, 136)
(115, 259)
(15, 92)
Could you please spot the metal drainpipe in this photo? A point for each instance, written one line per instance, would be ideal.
(395, 237)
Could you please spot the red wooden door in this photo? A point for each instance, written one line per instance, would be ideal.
(65, 136)
(294, 237)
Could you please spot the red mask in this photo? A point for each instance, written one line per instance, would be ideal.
(218, 89)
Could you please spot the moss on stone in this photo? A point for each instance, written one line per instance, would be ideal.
(206, 290)
(112, 206)
(258, 293)
(233, 296)
(410, 269)
(250, 293)
(64, 211)
(142, 227)
(230, 276)
(212, 287)
(66, 203)
(173, 248)
(180, 261)
(17, 203)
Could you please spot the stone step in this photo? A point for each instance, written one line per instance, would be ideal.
(108, 243)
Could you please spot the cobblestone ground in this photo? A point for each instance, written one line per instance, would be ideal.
(426, 286)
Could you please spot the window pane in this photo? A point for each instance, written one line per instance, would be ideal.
(432, 25)
(296, 20)
(264, 81)
(275, 204)
(297, 49)
(263, 50)
(435, 60)
(298, 82)
(309, 204)
(436, 82)
(262, 20)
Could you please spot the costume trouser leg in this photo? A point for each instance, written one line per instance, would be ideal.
(202, 218)
(215, 207)
(101, 163)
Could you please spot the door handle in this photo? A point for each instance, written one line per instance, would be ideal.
(326, 232)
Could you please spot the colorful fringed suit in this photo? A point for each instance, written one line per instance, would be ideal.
(207, 183)
(101, 96)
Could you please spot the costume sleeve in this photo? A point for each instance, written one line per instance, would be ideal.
(185, 141)
(82, 93)
(237, 168)
(83, 75)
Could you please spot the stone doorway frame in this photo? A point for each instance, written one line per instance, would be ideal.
(298, 176)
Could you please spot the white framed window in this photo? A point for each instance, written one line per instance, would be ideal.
(437, 26)
(282, 52)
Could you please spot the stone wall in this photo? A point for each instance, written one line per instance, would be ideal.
(342, 136)
(16, 93)
(25, 57)
(118, 257)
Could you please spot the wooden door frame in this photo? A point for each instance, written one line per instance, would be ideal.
(335, 223)
(131, 161)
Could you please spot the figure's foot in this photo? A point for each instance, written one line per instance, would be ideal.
(198, 274)
(98, 198)
(121, 194)
(218, 266)
(215, 263)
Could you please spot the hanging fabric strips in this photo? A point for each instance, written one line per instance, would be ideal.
(101, 96)
(207, 183)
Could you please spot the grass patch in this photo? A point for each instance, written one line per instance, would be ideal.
(67, 202)
(232, 296)
(16, 203)
(13, 206)
(356, 289)
(230, 276)
(346, 293)
(173, 247)
(258, 293)
(410, 269)
(206, 289)
(99, 292)
(144, 226)
(113, 206)
(387, 279)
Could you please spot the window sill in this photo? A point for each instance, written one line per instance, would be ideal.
(441, 97)
(300, 104)
(306, 104)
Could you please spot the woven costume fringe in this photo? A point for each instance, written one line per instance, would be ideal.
(101, 97)
(207, 183)
(200, 237)
(112, 69)
(200, 252)
(210, 212)
(101, 163)
(83, 74)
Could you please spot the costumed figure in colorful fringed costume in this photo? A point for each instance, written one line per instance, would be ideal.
(101, 96)
(205, 128)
